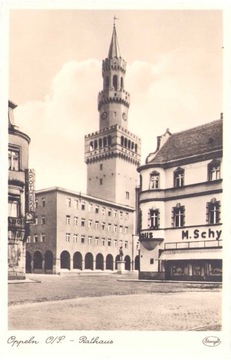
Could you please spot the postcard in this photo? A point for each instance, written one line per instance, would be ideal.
(116, 192)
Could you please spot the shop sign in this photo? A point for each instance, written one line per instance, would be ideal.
(15, 222)
(30, 217)
(31, 190)
(201, 234)
(146, 235)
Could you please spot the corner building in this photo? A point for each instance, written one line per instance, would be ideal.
(76, 231)
(180, 217)
(19, 210)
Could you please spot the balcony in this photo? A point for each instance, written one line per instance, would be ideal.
(193, 245)
(16, 177)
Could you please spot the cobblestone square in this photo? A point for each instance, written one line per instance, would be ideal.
(112, 302)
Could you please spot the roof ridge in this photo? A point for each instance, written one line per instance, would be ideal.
(197, 127)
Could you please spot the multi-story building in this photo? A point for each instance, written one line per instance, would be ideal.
(180, 199)
(79, 232)
(20, 197)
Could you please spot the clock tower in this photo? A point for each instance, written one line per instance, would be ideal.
(112, 154)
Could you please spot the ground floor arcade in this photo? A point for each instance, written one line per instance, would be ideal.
(48, 262)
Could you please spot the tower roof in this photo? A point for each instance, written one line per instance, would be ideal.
(114, 50)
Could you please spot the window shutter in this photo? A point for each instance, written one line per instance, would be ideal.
(173, 216)
(149, 218)
(183, 208)
(207, 212)
(219, 211)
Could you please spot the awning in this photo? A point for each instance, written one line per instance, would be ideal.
(202, 254)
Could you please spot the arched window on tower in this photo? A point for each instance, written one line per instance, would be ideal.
(136, 148)
(121, 83)
(109, 140)
(95, 144)
(125, 142)
(104, 141)
(115, 82)
(107, 82)
(129, 144)
(122, 141)
(91, 145)
(100, 143)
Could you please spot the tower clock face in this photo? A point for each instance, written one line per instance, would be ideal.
(124, 116)
(104, 115)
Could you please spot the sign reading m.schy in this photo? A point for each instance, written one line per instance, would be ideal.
(202, 234)
(30, 186)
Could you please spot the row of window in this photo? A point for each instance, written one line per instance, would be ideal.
(179, 176)
(116, 81)
(96, 224)
(106, 141)
(213, 215)
(90, 207)
(90, 224)
(82, 239)
(97, 241)
(100, 143)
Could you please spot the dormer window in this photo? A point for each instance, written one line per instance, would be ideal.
(214, 170)
(154, 180)
(179, 177)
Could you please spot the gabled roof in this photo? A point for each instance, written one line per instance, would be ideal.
(185, 144)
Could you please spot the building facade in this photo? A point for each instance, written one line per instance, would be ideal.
(20, 197)
(180, 220)
(112, 154)
(78, 232)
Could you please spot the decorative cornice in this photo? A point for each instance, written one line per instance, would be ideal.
(110, 155)
(182, 196)
(15, 132)
(184, 161)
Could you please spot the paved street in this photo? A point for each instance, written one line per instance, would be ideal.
(112, 302)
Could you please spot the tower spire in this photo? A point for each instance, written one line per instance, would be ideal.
(114, 50)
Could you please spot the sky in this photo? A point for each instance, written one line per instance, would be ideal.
(174, 77)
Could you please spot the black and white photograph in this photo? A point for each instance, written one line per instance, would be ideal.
(115, 184)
